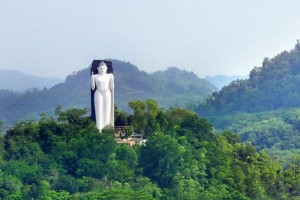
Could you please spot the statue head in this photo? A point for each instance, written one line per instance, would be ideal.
(102, 68)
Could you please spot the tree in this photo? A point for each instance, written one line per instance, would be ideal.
(139, 120)
(1, 127)
(73, 116)
(144, 118)
(45, 193)
(161, 158)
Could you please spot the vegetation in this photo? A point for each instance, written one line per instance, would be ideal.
(278, 129)
(66, 157)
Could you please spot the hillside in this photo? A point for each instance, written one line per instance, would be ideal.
(130, 84)
(19, 82)
(272, 86)
(278, 129)
(264, 109)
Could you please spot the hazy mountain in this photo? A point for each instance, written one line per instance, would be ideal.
(274, 85)
(182, 81)
(19, 81)
(222, 80)
(170, 88)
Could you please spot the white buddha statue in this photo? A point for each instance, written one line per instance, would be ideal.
(103, 84)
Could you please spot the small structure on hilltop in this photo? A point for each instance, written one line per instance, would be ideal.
(126, 135)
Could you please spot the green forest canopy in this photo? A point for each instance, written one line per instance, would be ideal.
(66, 157)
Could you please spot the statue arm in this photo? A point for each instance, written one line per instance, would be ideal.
(112, 91)
(93, 84)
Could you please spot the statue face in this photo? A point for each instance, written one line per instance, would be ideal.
(102, 69)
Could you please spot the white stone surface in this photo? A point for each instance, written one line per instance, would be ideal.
(103, 84)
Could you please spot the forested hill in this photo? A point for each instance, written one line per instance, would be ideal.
(274, 85)
(130, 84)
(178, 81)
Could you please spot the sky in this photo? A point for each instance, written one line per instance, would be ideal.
(209, 37)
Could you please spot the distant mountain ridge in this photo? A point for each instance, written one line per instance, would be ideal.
(222, 80)
(19, 81)
(130, 84)
(182, 81)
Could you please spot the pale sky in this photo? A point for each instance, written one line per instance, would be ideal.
(53, 38)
